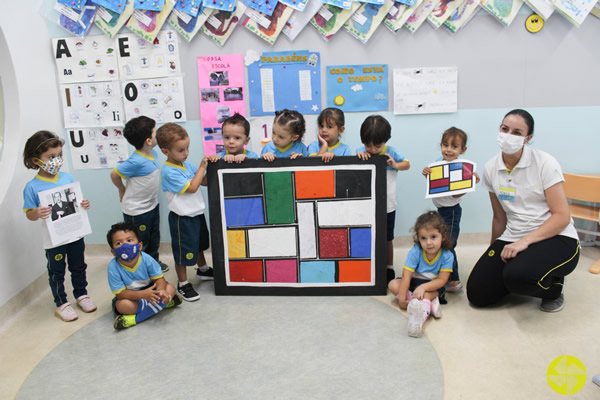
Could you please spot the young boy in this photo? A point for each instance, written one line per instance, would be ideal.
(139, 199)
(375, 131)
(236, 134)
(181, 183)
(135, 279)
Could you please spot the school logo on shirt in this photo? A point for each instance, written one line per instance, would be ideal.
(189, 256)
(58, 257)
(566, 375)
(142, 228)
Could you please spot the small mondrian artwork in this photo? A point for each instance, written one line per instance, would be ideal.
(449, 178)
(298, 227)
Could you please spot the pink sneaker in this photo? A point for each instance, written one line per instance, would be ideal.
(435, 308)
(66, 312)
(86, 304)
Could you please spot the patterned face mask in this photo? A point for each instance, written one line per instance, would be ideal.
(127, 251)
(52, 166)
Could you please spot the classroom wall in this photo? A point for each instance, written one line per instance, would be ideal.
(552, 73)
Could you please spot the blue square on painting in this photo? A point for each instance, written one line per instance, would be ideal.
(360, 242)
(152, 5)
(455, 166)
(317, 271)
(244, 212)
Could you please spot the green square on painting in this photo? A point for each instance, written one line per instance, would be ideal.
(279, 197)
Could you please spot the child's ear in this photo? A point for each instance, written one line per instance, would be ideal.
(113, 252)
(341, 129)
(247, 140)
(148, 142)
(463, 150)
(295, 137)
(165, 151)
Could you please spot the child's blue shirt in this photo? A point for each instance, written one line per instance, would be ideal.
(142, 175)
(140, 276)
(294, 147)
(416, 262)
(339, 149)
(175, 182)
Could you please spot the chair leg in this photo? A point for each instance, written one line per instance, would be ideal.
(595, 268)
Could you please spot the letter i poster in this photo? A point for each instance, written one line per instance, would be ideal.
(221, 87)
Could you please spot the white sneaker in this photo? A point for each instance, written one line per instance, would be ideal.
(436, 310)
(86, 304)
(416, 318)
(66, 312)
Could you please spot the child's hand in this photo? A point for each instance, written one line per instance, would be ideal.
(269, 157)
(41, 212)
(121, 194)
(238, 158)
(322, 141)
(426, 171)
(476, 177)
(295, 155)
(151, 294)
(164, 296)
(419, 293)
(85, 203)
(204, 162)
(328, 156)
(390, 161)
(214, 158)
(363, 155)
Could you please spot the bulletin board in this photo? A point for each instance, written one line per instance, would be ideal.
(299, 227)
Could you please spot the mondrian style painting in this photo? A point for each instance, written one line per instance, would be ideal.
(450, 178)
(298, 227)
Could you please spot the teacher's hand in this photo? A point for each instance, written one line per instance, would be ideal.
(511, 250)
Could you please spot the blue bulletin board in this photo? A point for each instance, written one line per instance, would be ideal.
(358, 87)
(286, 79)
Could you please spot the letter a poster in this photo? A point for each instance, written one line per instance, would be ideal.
(221, 87)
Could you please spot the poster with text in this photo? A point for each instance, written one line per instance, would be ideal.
(93, 148)
(357, 87)
(161, 99)
(222, 94)
(139, 59)
(95, 104)
(425, 90)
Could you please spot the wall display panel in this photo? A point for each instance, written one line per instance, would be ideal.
(275, 235)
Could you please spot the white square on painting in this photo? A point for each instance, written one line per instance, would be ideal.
(456, 175)
(346, 213)
(272, 242)
(306, 230)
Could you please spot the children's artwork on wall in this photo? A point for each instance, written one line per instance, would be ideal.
(297, 21)
(345, 4)
(190, 7)
(221, 24)
(296, 4)
(96, 104)
(425, 90)
(76, 20)
(367, 19)
(139, 59)
(543, 8)
(161, 99)
(286, 79)
(330, 18)
(450, 178)
(357, 87)
(189, 26)
(596, 10)
(223, 5)
(221, 87)
(111, 22)
(267, 7)
(298, 227)
(267, 27)
(398, 14)
(117, 6)
(505, 11)
(420, 15)
(90, 60)
(444, 10)
(147, 23)
(154, 5)
(74, 4)
(576, 11)
(462, 15)
(93, 148)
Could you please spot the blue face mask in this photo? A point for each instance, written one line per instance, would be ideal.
(127, 252)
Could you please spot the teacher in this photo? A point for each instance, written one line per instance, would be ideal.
(534, 243)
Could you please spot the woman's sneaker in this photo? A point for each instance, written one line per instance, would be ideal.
(554, 305)
(66, 312)
(187, 292)
(86, 304)
(416, 318)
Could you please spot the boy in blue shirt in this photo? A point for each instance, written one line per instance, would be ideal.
(181, 183)
(236, 134)
(139, 199)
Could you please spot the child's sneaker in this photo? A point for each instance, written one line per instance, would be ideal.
(124, 321)
(175, 301)
(86, 304)
(163, 267)
(436, 310)
(187, 292)
(206, 275)
(416, 318)
(453, 286)
(66, 312)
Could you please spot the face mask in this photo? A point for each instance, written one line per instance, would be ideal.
(510, 144)
(127, 251)
(52, 166)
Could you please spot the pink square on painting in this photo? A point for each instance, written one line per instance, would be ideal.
(281, 271)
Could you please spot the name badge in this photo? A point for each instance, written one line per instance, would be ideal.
(507, 194)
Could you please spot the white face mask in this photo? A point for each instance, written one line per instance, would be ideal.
(510, 144)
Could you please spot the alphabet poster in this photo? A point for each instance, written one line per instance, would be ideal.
(139, 59)
(85, 60)
(222, 94)
(161, 99)
(93, 148)
(95, 104)
(298, 227)
(357, 87)
(425, 90)
(449, 178)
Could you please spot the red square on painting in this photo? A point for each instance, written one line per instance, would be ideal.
(246, 271)
(467, 171)
(314, 184)
(439, 182)
(333, 243)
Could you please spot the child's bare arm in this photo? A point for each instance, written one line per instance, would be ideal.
(433, 285)
(400, 166)
(197, 179)
(39, 212)
(118, 182)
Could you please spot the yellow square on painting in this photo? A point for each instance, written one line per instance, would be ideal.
(236, 244)
(460, 185)
(437, 173)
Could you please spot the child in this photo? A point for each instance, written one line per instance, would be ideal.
(43, 151)
(331, 127)
(139, 200)
(181, 183)
(426, 271)
(236, 134)
(454, 143)
(135, 278)
(288, 130)
(375, 131)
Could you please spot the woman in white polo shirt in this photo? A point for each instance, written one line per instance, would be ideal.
(534, 243)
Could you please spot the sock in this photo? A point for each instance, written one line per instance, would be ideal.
(146, 310)
(409, 295)
(182, 283)
(203, 268)
(426, 305)
(390, 267)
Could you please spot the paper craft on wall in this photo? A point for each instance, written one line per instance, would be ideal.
(345, 4)
(420, 15)
(147, 23)
(161, 99)
(90, 60)
(462, 15)
(596, 10)
(543, 8)
(221, 24)
(224, 5)
(329, 19)
(367, 19)
(425, 90)
(505, 11)
(154, 5)
(74, 4)
(77, 21)
(266, 7)
(444, 10)
(297, 21)
(296, 4)
(92, 104)
(358, 87)
(190, 7)
(575, 10)
(221, 87)
(450, 178)
(286, 79)
(93, 148)
(139, 59)
(117, 6)
(267, 27)
(399, 13)
(298, 228)
(188, 26)
(111, 22)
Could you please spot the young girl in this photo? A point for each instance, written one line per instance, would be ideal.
(43, 151)
(426, 271)
(454, 143)
(331, 127)
(288, 130)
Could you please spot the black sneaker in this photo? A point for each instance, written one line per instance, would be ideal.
(164, 267)
(187, 292)
(206, 275)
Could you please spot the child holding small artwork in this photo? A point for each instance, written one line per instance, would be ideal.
(43, 151)
(288, 129)
(453, 145)
(331, 127)
(236, 134)
(426, 270)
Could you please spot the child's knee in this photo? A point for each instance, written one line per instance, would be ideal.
(394, 286)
